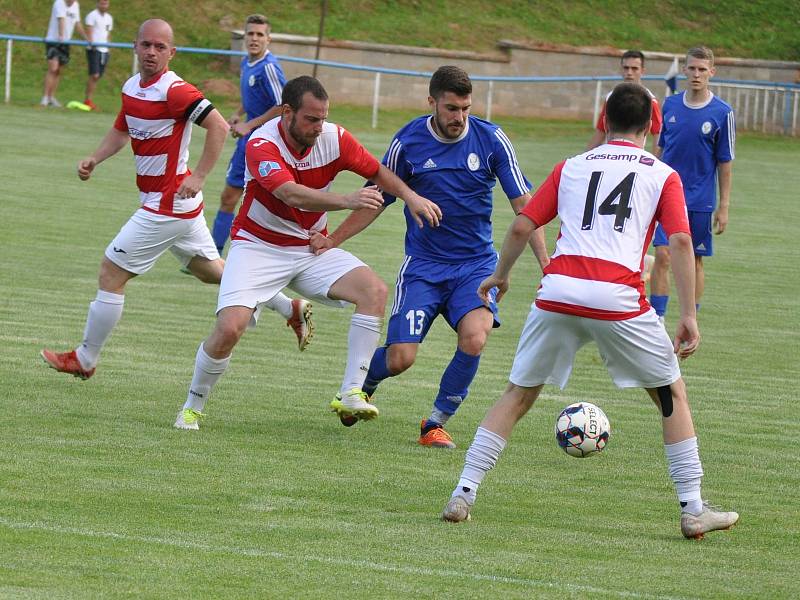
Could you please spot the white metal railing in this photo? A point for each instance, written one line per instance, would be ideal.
(770, 107)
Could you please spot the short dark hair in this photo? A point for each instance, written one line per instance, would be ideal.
(296, 88)
(633, 54)
(258, 20)
(628, 108)
(450, 79)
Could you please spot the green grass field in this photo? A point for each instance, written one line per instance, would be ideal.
(100, 497)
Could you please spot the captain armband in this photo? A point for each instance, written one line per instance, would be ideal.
(199, 110)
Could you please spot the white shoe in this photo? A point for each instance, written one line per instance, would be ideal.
(711, 519)
(355, 403)
(54, 103)
(457, 510)
(45, 101)
(188, 419)
(301, 322)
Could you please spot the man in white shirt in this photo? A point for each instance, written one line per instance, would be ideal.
(65, 16)
(99, 24)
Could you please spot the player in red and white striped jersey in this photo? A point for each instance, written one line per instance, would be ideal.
(158, 110)
(632, 67)
(608, 200)
(291, 163)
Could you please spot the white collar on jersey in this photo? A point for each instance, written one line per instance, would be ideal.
(443, 139)
(698, 106)
(260, 58)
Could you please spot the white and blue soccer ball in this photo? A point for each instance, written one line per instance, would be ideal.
(582, 429)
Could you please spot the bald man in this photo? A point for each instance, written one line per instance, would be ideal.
(158, 110)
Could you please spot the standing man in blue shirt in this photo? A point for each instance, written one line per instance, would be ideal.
(261, 86)
(697, 140)
(454, 159)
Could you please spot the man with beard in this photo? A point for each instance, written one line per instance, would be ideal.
(291, 163)
(454, 159)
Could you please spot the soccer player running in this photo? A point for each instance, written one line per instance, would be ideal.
(291, 163)
(158, 110)
(261, 83)
(608, 201)
(697, 140)
(454, 159)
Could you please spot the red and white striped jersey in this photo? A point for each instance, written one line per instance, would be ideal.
(608, 200)
(656, 118)
(272, 163)
(158, 115)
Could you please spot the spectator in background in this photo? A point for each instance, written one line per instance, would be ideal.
(632, 65)
(65, 16)
(99, 24)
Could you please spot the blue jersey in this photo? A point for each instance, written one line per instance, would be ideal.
(459, 176)
(695, 140)
(261, 84)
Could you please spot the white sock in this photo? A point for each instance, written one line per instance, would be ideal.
(686, 472)
(481, 457)
(362, 339)
(104, 314)
(437, 416)
(281, 304)
(207, 371)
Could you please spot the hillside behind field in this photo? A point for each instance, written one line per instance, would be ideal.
(765, 29)
(768, 29)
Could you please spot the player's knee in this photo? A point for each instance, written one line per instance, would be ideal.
(399, 359)
(230, 196)
(374, 292)
(473, 343)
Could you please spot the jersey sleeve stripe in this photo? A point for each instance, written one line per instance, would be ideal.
(398, 286)
(512, 159)
(391, 155)
(731, 124)
(274, 82)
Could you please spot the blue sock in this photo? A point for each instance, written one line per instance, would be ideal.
(457, 377)
(659, 304)
(221, 229)
(378, 371)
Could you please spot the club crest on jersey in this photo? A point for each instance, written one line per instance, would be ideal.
(265, 167)
(473, 162)
(706, 127)
(251, 81)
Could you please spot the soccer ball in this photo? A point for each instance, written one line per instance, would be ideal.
(582, 429)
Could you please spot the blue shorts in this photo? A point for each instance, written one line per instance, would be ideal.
(235, 175)
(702, 238)
(426, 289)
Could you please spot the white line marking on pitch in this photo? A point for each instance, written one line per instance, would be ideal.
(339, 562)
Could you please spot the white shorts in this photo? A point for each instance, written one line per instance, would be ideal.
(146, 236)
(254, 272)
(637, 352)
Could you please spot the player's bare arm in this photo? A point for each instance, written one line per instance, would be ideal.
(419, 207)
(300, 196)
(724, 176)
(216, 130)
(355, 223)
(114, 141)
(537, 241)
(517, 237)
(241, 129)
(687, 336)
